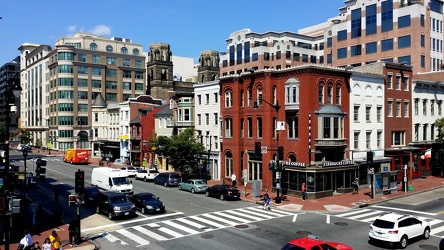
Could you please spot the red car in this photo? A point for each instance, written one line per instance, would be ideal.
(313, 242)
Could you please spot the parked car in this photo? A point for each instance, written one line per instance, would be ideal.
(223, 191)
(130, 171)
(313, 242)
(147, 203)
(194, 186)
(398, 229)
(20, 147)
(147, 174)
(114, 204)
(26, 149)
(118, 161)
(167, 179)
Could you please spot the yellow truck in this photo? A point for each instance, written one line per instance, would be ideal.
(76, 156)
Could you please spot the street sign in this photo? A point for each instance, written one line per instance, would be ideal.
(278, 175)
(280, 125)
(371, 171)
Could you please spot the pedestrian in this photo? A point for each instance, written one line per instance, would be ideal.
(55, 240)
(25, 242)
(233, 179)
(304, 192)
(36, 246)
(47, 244)
(355, 185)
(266, 201)
(33, 208)
(73, 228)
(107, 161)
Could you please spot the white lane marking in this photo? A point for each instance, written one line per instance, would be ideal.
(191, 223)
(280, 212)
(130, 221)
(113, 238)
(233, 218)
(351, 213)
(219, 219)
(214, 224)
(295, 217)
(132, 236)
(185, 229)
(171, 232)
(406, 210)
(328, 219)
(364, 215)
(437, 230)
(150, 233)
(237, 213)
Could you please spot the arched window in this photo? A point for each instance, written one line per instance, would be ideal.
(93, 46)
(338, 94)
(124, 50)
(228, 164)
(109, 48)
(356, 89)
(228, 128)
(228, 99)
(321, 93)
(136, 52)
(242, 98)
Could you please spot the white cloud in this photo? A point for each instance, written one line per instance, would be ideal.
(72, 28)
(101, 30)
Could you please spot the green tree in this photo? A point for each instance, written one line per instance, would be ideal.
(182, 151)
(25, 136)
(439, 124)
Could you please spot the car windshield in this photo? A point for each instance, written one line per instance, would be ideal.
(383, 224)
(148, 197)
(118, 199)
(153, 171)
(230, 187)
(291, 247)
(131, 169)
(120, 181)
(176, 176)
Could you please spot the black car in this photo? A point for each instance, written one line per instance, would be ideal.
(26, 149)
(147, 203)
(114, 204)
(223, 191)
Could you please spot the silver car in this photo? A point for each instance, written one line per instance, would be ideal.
(194, 186)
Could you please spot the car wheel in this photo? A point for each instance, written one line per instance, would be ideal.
(403, 242)
(180, 187)
(165, 184)
(110, 215)
(207, 194)
(145, 179)
(143, 210)
(222, 197)
(193, 191)
(98, 209)
(426, 233)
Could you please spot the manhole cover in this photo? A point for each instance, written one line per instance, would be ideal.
(428, 247)
(303, 232)
(241, 226)
(341, 224)
(207, 236)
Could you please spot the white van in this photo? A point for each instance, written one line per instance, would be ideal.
(111, 179)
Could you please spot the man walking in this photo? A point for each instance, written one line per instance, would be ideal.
(73, 231)
(233, 179)
(304, 192)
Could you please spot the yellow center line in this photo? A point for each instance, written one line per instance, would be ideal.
(440, 212)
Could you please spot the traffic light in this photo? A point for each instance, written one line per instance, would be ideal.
(72, 200)
(14, 205)
(257, 148)
(369, 158)
(280, 153)
(79, 182)
(272, 166)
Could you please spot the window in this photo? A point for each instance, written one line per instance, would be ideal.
(228, 99)
(403, 21)
(398, 138)
(329, 42)
(111, 84)
(342, 35)
(387, 15)
(111, 60)
(387, 45)
(242, 128)
(207, 119)
(66, 69)
(368, 110)
(292, 123)
(356, 140)
(81, 58)
(239, 53)
(356, 113)
(93, 46)
(330, 94)
(126, 73)
(124, 50)
(249, 127)
(259, 127)
(422, 61)
(405, 59)
(398, 82)
(406, 109)
(109, 48)
(242, 98)
(207, 99)
(138, 64)
(96, 83)
(250, 98)
(259, 96)
(398, 108)
(424, 132)
(126, 62)
(378, 114)
(422, 39)
(321, 94)
(422, 20)
(136, 52)
(416, 106)
(338, 94)
(327, 128)
(370, 19)
(247, 52)
(406, 82)
(228, 164)
(216, 118)
(370, 48)
(342, 53)
(390, 108)
(368, 136)
(254, 57)
(82, 82)
(390, 81)
(356, 23)
(439, 107)
(216, 98)
(403, 42)
(199, 119)
(95, 71)
(424, 107)
(356, 50)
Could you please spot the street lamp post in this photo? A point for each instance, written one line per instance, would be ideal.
(25, 188)
(278, 172)
(13, 90)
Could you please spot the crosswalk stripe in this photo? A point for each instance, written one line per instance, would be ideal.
(219, 219)
(150, 233)
(434, 222)
(171, 232)
(243, 215)
(352, 213)
(364, 215)
(437, 230)
(132, 236)
(214, 224)
(191, 223)
(257, 213)
(232, 217)
(371, 219)
(185, 229)
(112, 238)
(275, 211)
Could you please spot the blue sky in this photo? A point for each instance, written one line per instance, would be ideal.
(189, 26)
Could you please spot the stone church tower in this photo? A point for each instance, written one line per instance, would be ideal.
(208, 69)
(160, 71)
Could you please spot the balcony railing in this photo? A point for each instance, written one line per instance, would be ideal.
(331, 142)
(136, 136)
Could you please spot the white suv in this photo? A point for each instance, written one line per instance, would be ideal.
(398, 228)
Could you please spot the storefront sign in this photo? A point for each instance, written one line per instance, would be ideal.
(337, 163)
(292, 164)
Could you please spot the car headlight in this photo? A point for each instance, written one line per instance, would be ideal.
(116, 208)
(149, 207)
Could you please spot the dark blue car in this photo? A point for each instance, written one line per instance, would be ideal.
(223, 192)
(147, 203)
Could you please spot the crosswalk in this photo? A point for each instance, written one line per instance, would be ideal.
(368, 215)
(46, 159)
(141, 235)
